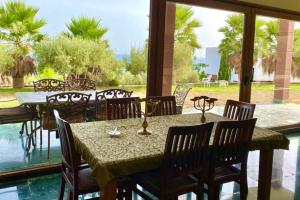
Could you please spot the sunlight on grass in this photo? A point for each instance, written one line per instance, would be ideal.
(9, 104)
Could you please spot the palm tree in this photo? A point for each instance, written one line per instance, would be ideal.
(230, 47)
(86, 28)
(20, 29)
(265, 46)
(185, 26)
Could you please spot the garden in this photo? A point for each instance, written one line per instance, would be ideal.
(27, 54)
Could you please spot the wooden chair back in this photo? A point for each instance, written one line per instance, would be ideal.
(166, 105)
(81, 84)
(70, 158)
(231, 142)
(123, 108)
(186, 151)
(48, 85)
(238, 110)
(71, 105)
(180, 93)
(101, 96)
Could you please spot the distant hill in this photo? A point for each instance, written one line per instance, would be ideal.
(121, 56)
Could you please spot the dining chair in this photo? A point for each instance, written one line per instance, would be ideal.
(81, 84)
(123, 108)
(71, 105)
(77, 176)
(48, 85)
(166, 105)
(181, 91)
(229, 151)
(100, 103)
(238, 110)
(183, 164)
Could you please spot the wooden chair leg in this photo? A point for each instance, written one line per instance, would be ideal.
(62, 189)
(213, 192)
(200, 192)
(48, 144)
(243, 188)
(70, 195)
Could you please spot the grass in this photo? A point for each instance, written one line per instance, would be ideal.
(259, 91)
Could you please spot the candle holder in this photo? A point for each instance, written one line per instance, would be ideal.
(203, 103)
(152, 105)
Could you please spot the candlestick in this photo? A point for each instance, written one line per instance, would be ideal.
(203, 103)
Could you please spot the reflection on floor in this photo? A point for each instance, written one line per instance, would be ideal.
(285, 180)
(13, 154)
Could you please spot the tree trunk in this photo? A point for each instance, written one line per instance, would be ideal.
(18, 82)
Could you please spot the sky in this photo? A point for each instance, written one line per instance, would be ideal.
(127, 20)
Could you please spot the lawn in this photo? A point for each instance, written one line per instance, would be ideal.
(261, 93)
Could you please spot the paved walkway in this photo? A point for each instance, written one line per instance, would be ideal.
(268, 115)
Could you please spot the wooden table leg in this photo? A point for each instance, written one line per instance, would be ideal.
(265, 174)
(109, 192)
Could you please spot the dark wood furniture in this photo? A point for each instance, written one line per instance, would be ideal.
(186, 153)
(166, 105)
(180, 93)
(238, 110)
(48, 85)
(230, 148)
(81, 84)
(71, 105)
(123, 108)
(78, 178)
(101, 96)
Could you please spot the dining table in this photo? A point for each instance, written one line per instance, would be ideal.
(36, 101)
(114, 157)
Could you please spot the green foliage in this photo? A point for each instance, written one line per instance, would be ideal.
(265, 47)
(185, 26)
(128, 78)
(6, 58)
(77, 56)
(86, 28)
(19, 26)
(136, 63)
(199, 68)
(44, 73)
(182, 64)
(224, 69)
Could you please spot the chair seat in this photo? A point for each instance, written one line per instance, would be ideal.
(86, 181)
(226, 173)
(15, 114)
(151, 181)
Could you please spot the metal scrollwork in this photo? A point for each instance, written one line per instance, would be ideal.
(180, 93)
(108, 94)
(48, 85)
(71, 105)
(81, 84)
